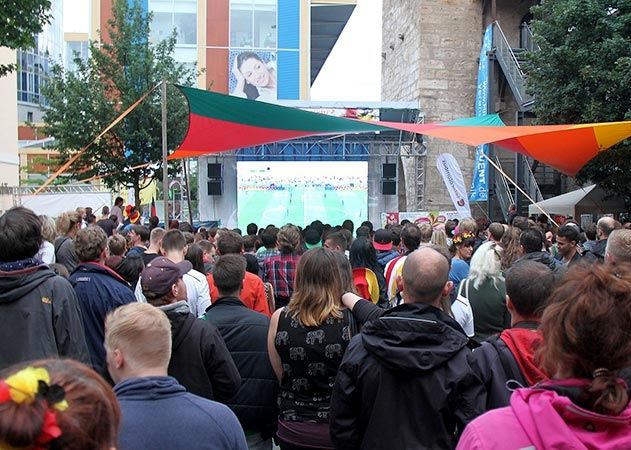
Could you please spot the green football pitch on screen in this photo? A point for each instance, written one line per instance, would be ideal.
(299, 192)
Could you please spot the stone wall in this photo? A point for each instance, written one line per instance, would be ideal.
(436, 63)
(442, 42)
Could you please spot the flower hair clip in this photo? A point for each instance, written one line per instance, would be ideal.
(459, 238)
(29, 384)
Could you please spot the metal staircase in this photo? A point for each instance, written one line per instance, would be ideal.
(511, 60)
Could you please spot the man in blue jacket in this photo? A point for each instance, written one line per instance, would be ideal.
(157, 412)
(245, 334)
(98, 288)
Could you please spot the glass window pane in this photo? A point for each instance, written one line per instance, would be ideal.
(161, 26)
(265, 27)
(161, 6)
(240, 24)
(186, 27)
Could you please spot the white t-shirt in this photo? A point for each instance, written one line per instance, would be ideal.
(197, 292)
(46, 253)
(461, 309)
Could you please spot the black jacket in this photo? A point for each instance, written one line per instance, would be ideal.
(245, 334)
(39, 317)
(200, 360)
(558, 268)
(597, 253)
(495, 366)
(404, 383)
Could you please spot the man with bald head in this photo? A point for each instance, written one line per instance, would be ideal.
(618, 248)
(604, 227)
(404, 381)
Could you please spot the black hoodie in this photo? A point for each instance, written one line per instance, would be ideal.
(404, 383)
(39, 317)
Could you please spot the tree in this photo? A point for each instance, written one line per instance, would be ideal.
(582, 74)
(20, 21)
(117, 73)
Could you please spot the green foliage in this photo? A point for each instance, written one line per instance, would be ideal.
(20, 21)
(582, 74)
(118, 72)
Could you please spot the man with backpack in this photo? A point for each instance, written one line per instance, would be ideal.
(510, 356)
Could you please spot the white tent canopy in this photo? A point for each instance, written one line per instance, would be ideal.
(588, 200)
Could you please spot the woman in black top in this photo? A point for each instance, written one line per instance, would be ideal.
(306, 342)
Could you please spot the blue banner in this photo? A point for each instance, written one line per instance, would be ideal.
(479, 191)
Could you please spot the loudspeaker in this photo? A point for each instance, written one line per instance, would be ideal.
(388, 170)
(215, 187)
(215, 170)
(388, 187)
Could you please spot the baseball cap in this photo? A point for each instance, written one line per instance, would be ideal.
(160, 274)
(382, 240)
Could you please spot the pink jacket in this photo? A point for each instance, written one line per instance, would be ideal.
(542, 419)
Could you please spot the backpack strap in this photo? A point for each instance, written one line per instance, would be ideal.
(59, 242)
(504, 359)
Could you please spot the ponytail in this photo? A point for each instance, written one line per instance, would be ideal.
(606, 394)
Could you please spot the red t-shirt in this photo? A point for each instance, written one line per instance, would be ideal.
(253, 293)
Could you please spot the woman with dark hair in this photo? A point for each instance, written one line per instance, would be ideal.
(364, 256)
(256, 79)
(586, 341)
(306, 342)
(195, 255)
(130, 268)
(462, 249)
(56, 404)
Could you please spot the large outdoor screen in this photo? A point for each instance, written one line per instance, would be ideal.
(270, 192)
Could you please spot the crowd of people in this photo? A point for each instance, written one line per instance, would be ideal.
(471, 335)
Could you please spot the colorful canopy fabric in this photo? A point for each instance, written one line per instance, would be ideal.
(221, 122)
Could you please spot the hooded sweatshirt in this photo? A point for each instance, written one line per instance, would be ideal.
(507, 361)
(542, 418)
(158, 413)
(403, 383)
(39, 317)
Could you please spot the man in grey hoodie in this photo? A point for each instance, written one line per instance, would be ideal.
(39, 311)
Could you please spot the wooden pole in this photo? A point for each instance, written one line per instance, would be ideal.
(165, 154)
(499, 169)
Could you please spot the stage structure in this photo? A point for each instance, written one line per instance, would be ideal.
(394, 178)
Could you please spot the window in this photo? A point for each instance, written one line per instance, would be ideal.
(178, 15)
(253, 23)
(29, 116)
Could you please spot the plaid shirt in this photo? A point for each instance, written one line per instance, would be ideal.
(264, 254)
(280, 270)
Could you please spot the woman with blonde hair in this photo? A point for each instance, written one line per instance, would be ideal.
(68, 224)
(306, 342)
(439, 238)
(485, 289)
(49, 232)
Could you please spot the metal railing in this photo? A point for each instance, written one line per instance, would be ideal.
(503, 190)
(511, 67)
(527, 39)
(530, 181)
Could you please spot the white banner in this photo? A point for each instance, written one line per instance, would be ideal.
(452, 176)
(54, 204)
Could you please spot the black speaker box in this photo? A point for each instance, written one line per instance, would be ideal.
(215, 170)
(388, 187)
(388, 170)
(215, 187)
